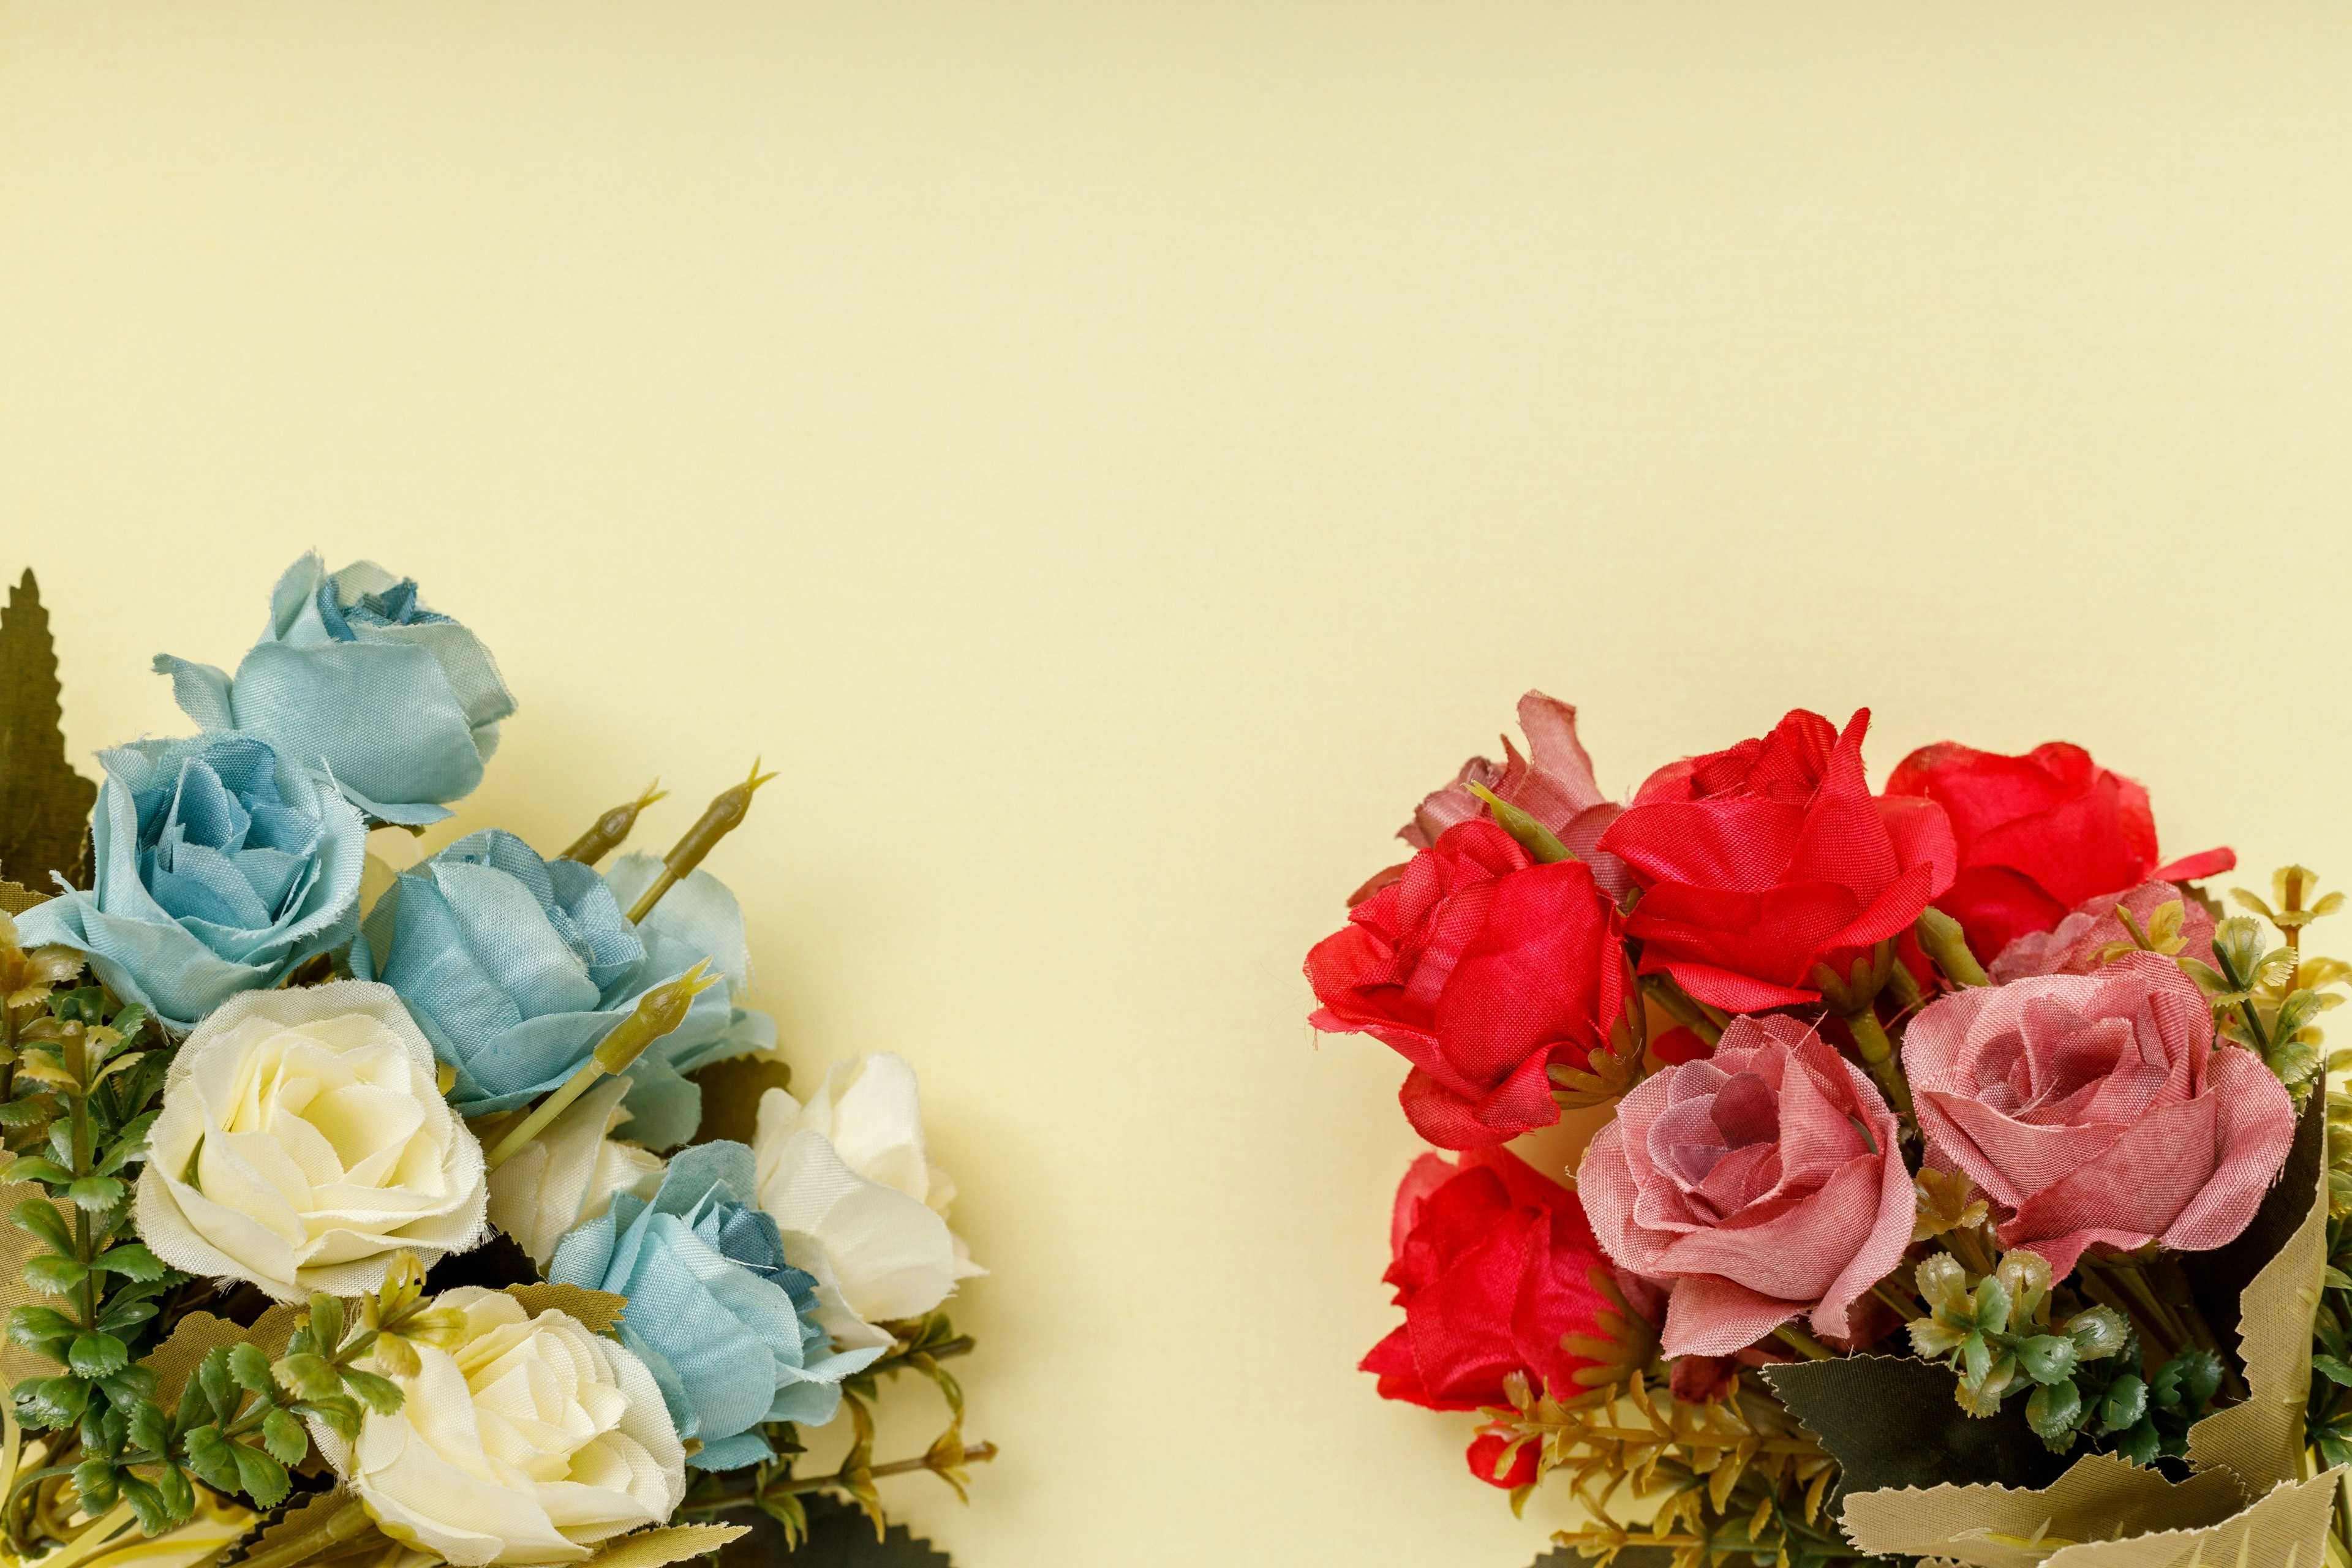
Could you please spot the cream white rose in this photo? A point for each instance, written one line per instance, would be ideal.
(568, 1174)
(303, 1141)
(849, 1182)
(530, 1442)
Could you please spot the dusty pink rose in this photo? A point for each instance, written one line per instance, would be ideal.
(2075, 946)
(2094, 1108)
(1762, 1182)
(1553, 783)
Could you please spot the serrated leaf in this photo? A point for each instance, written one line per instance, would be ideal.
(97, 1193)
(283, 1435)
(131, 1260)
(260, 1478)
(97, 1355)
(1891, 1421)
(53, 1274)
(45, 806)
(249, 1365)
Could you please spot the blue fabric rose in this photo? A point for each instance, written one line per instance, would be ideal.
(355, 674)
(714, 1310)
(515, 966)
(221, 864)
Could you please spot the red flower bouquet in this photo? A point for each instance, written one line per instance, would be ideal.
(1968, 1195)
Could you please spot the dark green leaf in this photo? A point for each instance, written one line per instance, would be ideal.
(212, 1458)
(95, 1479)
(129, 1386)
(213, 1374)
(131, 1260)
(250, 1366)
(1891, 1421)
(2046, 1358)
(150, 1428)
(37, 1326)
(2051, 1412)
(342, 1414)
(40, 1217)
(179, 1497)
(43, 805)
(54, 1273)
(2140, 1444)
(96, 1355)
(2124, 1404)
(2218, 1278)
(381, 1395)
(262, 1477)
(147, 1504)
(283, 1435)
(326, 1323)
(310, 1375)
(97, 1193)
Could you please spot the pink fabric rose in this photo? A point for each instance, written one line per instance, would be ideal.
(1762, 1182)
(2076, 945)
(2095, 1109)
(1553, 783)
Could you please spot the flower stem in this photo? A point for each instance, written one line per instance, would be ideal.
(345, 1524)
(978, 1454)
(1941, 935)
(1878, 1056)
(1804, 1343)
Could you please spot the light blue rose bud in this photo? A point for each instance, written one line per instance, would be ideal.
(726, 1327)
(515, 966)
(355, 674)
(221, 864)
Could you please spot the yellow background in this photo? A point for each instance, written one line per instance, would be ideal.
(1113, 458)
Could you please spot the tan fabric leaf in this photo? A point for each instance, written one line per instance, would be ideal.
(1991, 1526)
(2288, 1529)
(303, 1518)
(16, 899)
(2261, 1441)
(670, 1543)
(17, 1246)
(600, 1310)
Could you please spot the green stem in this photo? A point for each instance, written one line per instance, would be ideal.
(1878, 1056)
(1908, 1311)
(345, 1523)
(547, 1110)
(1682, 1009)
(978, 1454)
(1804, 1343)
(1945, 942)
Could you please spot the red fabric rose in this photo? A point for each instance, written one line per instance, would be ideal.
(2037, 835)
(1493, 1267)
(1762, 1182)
(2095, 1109)
(1757, 863)
(1482, 969)
(1553, 783)
(2081, 941)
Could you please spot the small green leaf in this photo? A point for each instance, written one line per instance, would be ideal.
(262, 1478)
(380, 1393)
(2124, 1404)
(2052, 1411)
(310, 1375)
(129, 1386)
(2332, 1369)
(1992, 1305)
(2140, 1443)
(213, 1374)
(179, 1497)
(131, 1260)
(150, 1428)
(35, 1327)
(96, 1355)
(342, 1414)
(250, 1366)
(147, 1505)
(96, 1479)
(283, 1435)
(326, 1323)
(2047, 1359)
(97, 1193)
(212, 1458)
(53, 1274)
(44, 1219)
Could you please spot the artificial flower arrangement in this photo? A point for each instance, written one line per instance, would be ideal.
(1970, 1190)
(461, 1214)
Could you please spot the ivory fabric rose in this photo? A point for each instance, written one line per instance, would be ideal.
(303, 1141)
(1482, 969)
(2095, 1109)
(1553, 783)
(571, 1173)
(2037, 835)
(2079, 944)
(849, 1182)
(355, 676)
(1493, 1265)
(1759, 863)
(530, 1442)
(1763, 1183)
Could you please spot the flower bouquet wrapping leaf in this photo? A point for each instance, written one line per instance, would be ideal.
(374, 1218)
(44, 803)
(1971, 1189)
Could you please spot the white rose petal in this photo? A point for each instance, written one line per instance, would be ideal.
(568, 1174)
(529, 1443)
(303, 1141)
(849, 1182)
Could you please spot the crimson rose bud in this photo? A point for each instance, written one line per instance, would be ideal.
(2038, 836)
(1493, 1267)
(1757, 863)
(1481, 968)
(1487, 1452)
